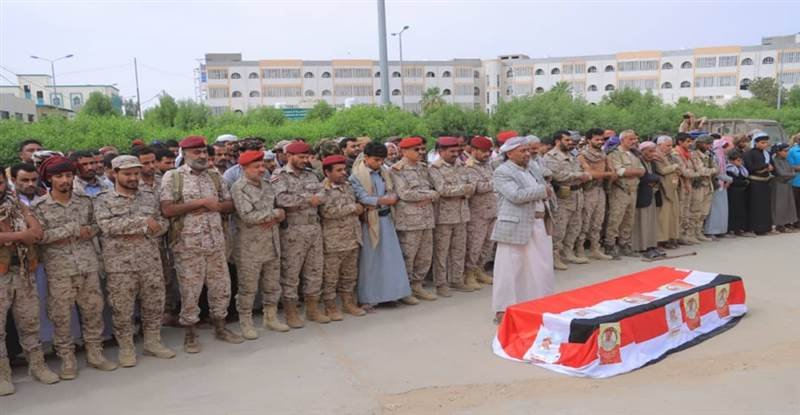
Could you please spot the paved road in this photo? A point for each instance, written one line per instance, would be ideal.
(436, 358)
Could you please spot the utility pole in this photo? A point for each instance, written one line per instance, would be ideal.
(384, 59)
(138, 97)
(402, 75)
(53, 72)
(779, 80)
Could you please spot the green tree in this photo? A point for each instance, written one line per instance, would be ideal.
(452, 120)
(191, 115)
(432, 100)
(164, 113)
(98, 105)
(321, 111)
(765, 89)
(793, 97)
(265, 115)
(130, 108)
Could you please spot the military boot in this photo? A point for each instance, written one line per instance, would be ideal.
(626, 250)
(313, 313)
(462, 287)
(350, 306)
(409, 300)
(580, 251)
(597, 253)
(246, 325)
(95, 358)
(421, 293)
(558, 263)
(222, 333)
(700, 237)
(332, 310)
(471, 280)
(37, 368)
(483, 277)
(154, 347)
(612, 251)
(443, 291)
(6, 387)
(570, 256)
(292, 316)
(191, 340)
(127, 351)
(271, 319)
(69, 365)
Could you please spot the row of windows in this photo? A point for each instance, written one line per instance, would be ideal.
(288, 73)
(341, 90)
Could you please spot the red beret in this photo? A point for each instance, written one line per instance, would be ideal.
(193, 141)
(447, 141)
(409, 142)
(297, 147)
(334, 159)
(481, 143)
(502, 136)
(250, 156)
(137, 142)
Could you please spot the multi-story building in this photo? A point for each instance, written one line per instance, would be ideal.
(718, 74)
(39, 88)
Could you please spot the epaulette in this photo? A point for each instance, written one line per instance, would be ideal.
(470, 162)
(399, 165)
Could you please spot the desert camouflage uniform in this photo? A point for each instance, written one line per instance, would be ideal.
(482, 213)
(200, 247)
(702, 189)
(413, 217)
(687, 174)
(622, 197)
(452, 215)
(567, 173)
(341, 236)
(301, 240)
(594, 198)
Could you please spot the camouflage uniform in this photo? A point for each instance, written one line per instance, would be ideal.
(81, 187)
(567, 173)
(72, 270)
(702, 191)
(256, 249)
(413, 218)
(200, 247)
(452, 215)
(341, 236)
(687, 174)
(482, 213)
(301, 240)
(622, 198)
(132, 259)
(594, 198)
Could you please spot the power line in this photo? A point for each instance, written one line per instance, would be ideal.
(126, 65)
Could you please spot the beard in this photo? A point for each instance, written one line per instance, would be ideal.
(197, 164)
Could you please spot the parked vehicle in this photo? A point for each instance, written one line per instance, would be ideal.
(736, 126)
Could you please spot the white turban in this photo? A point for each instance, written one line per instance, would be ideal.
(513, 143)
(532, 139)
(663, 139)
(226, 138)
(646, 144)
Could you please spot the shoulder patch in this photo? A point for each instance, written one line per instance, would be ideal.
(438, 163)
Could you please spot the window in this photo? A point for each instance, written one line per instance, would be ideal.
(4, 115)
(727, 61)
(326, 74)
(666, 85)
(638, 84)
(253, 75)
(430, 74)
(509, 90)
(666, 66)
(744, 85)
(747, 61)
(703, 81)
(706, 62)
(510, 73)
(378, 74)
(610, 87)
(395, 92)
(282, 73)
(254, 94)
(308, 93)
(539, 90)
(218, 92)
(540, 71)
(412, 72)
(236, 94)
(464, 90)
(476, 91)
(308, 75)
(609, 68)
(446, 92)
(282, 91)
(414, 90)
(632, 66)
(352, 72)
(463, 72)
(769, 60)
(592, 69)
(395, 74)
(577, 86)
(523, 71)
(56, 99)
(377, 92)
(593, 88)
(571, 68)
(476, 74)
(217, 74)
(236, 75)
(790, 57)
(77, 100)
(446, 74)
(326, 92)
(555, 71)
(790, 77)
(218, 110)
(728, 80)
(686, 84)
(354, 90)
(686, 65)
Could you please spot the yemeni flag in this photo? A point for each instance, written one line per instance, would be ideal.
(622, 324)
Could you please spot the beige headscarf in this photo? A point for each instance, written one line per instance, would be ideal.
(362, 172)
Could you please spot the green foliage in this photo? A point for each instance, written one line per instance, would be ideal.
(321, 111)
(164, 113)
(766, 89)
(191, 115)
(793, 97)
(130, 109)
(452, 120)
(264, 115)
(432, 100)
(98, 105)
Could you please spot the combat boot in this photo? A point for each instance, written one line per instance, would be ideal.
(246, 325)
(460, 286)
(69, 365)
(626, 250)
(483, 277)
(471, 281)
(292, 316)
(702, 238)
(154, 347)
(271, 319)
(95, 358)
(6, 387)
(313, 313)
(37, 368)
(350, 306)
(421, 293)
(558, 263)
(222, 333)
(332, 310)
(611, 250)
(443, 291)
(571, 257)
(127, 352)
(191, 341)
(597, 253)
(580, 252)
(409, 300)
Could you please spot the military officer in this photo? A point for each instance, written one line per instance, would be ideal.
(593, 160)
(482, 211)
(622, 197)
(702, 186)
(682, 155)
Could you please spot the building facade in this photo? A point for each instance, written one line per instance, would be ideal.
(15, 108)
(717, 74)
(67, 99)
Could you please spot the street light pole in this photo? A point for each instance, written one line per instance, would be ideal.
(384, 60)
(53, 70)
(402, 75)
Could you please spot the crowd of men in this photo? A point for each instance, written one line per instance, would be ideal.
(341, 226)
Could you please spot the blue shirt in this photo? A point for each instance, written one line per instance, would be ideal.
(794, 160)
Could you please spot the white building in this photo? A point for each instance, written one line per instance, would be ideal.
(20, 109)
(39, 89)
(718, 74)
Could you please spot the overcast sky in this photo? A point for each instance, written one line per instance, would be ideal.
(168, 37)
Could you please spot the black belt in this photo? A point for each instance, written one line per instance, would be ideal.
(384, 212)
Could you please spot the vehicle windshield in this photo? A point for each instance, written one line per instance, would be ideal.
(774, 132)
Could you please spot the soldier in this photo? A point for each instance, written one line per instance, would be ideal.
(702, 186)
(622, 196)
(413, 218)
(593, 160)
(86, 180)
(193, 197)
(482, 211)
(568, 179)
(147, 158)
(19, 230)
(70, 261)
(452, 214)
(341, 234)
(131, 224)
(683, 157)
(257, 245)
(298, 191)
